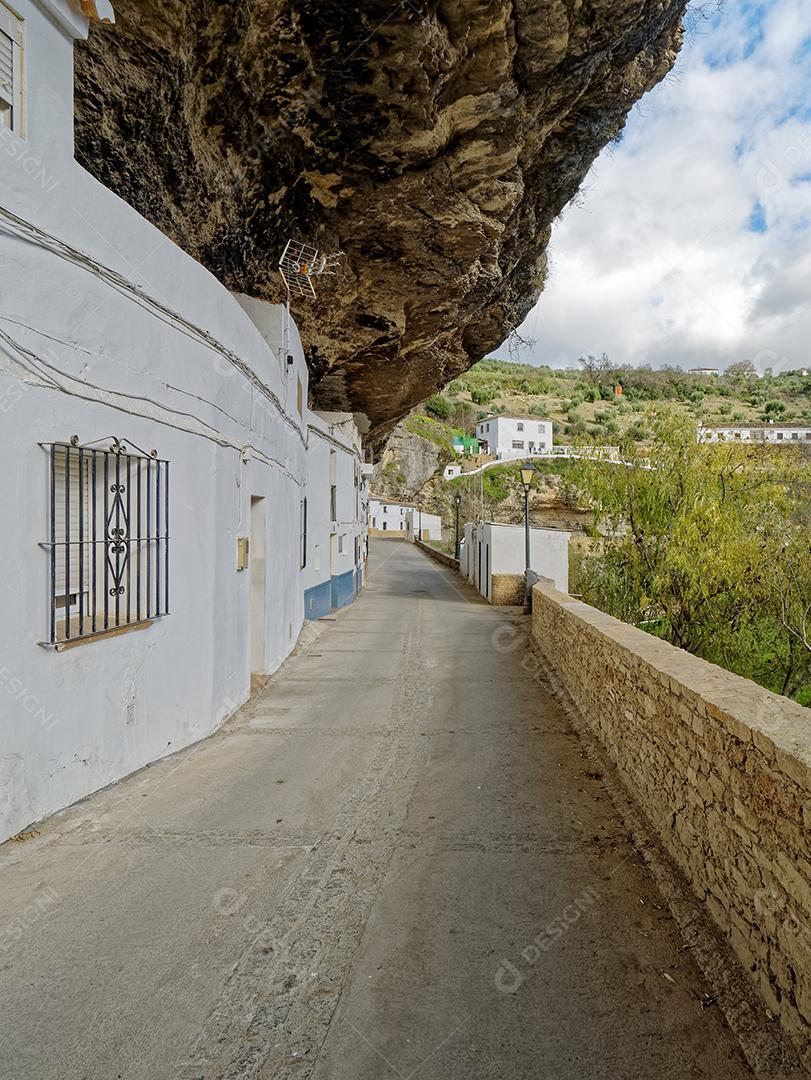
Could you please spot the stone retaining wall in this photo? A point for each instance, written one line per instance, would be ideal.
(507, 589)
(721, 768)
(440, 556)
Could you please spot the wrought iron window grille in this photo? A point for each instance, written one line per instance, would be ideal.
(108, 546)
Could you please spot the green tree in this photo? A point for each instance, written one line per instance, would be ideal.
(439, 407)
(702, 544)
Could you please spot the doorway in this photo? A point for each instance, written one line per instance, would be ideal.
(258, 591)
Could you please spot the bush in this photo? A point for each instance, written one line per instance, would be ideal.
(438, 406)
(638, 432)
(482, 395)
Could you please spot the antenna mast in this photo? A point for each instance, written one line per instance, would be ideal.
(299, 266)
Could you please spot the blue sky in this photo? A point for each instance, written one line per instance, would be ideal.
(691, 240)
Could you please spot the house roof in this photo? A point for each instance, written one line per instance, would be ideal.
(392, 502)
(513, 416)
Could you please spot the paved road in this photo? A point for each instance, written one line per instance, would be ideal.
(391, 864)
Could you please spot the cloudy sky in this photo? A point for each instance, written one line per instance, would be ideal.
(691, 241)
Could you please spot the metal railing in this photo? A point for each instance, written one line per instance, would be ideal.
(108, 546)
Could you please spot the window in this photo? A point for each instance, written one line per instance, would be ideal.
(385, 524)
(108, 549)
(385, 509)
(780, 435)
(303, 532)
(299, 396)
(517, 445)
(333, 502)
(519, 427)
(341, 544)
(11, 44)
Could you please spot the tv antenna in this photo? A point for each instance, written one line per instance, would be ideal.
(300, 265)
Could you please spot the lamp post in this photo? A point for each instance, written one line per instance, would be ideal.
(527, 474)
(458, 500)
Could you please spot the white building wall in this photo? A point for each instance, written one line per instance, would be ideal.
(387, 516)
(503, 433)
(501, 549)
(430, 525)
(107, 328)
(797, 434)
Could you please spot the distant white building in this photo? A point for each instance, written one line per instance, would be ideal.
(386, 516)
(493, 559)
(451, 472)
(422, 525)
(511, 437)
(402, 521)
(756, 433)
(704, 371)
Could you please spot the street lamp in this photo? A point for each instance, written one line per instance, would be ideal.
(527, 474)
(458, 500)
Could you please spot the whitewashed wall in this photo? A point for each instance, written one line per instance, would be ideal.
(107, 328)
(388, 516)
(420, 520)
(549, 551)
(500, 432)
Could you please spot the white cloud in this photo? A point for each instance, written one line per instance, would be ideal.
(692, 241)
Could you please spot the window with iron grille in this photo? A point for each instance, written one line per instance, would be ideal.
(108, 546)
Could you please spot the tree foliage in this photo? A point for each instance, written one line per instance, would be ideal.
(707, 545)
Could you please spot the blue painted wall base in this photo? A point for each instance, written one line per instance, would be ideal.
(318, 601)
(330, 595)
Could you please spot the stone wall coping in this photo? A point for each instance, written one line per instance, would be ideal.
(440, 556)
(779, 727)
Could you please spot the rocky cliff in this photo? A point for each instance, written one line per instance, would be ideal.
(407, 464)
(433, 141)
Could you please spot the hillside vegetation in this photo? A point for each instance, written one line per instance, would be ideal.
(585, 402)
(708, 546)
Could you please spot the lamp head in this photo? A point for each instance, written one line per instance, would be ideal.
(457, 499)
(527, 473)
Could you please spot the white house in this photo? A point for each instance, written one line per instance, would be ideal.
(494, 559)
(334, 515)
(704, 371)
(514, 436)
(172, 505)
(422, 525)
(779, 434)
(386, 516)
(402, 521)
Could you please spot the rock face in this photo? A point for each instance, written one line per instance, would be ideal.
(407, 464)
(433, 141)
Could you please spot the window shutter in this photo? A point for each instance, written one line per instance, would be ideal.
(6, 67)
(11, 43)
(72, 522)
